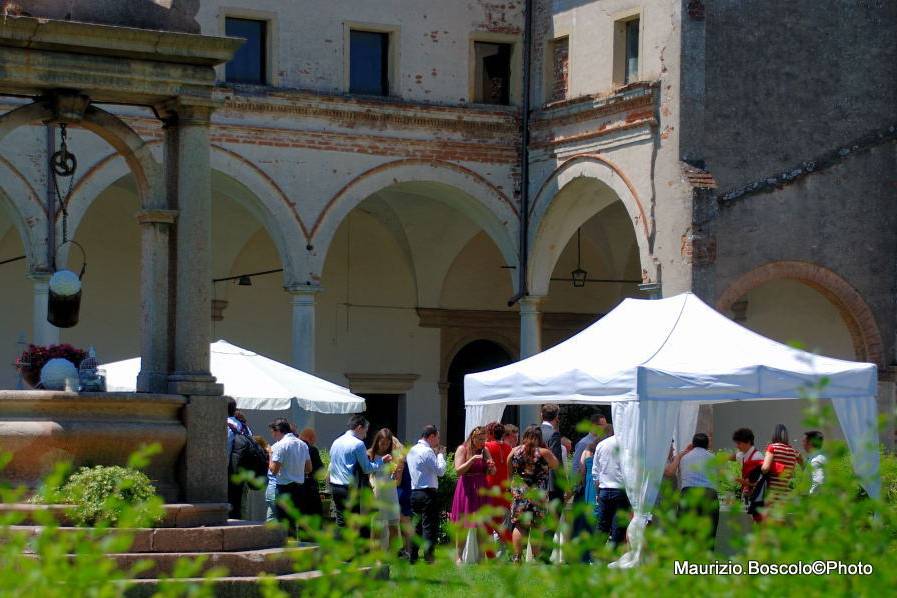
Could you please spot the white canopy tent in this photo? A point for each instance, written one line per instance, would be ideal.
(256, 382)
(655, 362)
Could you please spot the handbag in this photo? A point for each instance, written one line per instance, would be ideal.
(756, 499)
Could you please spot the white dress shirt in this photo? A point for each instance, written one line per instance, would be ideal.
(816, 461)
(606, 464)
(425, 466)
(346, 452)
(291, 453)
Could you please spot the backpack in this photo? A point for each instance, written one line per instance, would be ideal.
(247, 454)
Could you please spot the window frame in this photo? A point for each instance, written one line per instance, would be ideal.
(392, 55)
(515, 89)
(620, 48)
(270, 73)
(548, 75)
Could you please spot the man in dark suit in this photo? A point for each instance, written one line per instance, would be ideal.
(551, 434)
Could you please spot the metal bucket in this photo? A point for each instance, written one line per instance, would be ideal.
(62, 310)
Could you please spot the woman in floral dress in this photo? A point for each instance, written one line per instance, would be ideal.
(528, 466)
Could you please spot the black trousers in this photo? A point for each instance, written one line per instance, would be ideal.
(703, 502)
(235, 498)
(340, 496)
(294, 492)
(426, 522)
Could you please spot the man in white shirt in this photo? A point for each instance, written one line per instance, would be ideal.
(815, 459)
(289, 463)
(426, 464)
(698, 493)
(613, 504)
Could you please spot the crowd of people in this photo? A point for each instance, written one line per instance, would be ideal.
(506, 485)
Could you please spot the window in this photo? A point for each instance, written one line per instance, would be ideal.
(626, 50)
(560, 68)
(492, 76)
(631, 72)
(250, 62)
(369, 63)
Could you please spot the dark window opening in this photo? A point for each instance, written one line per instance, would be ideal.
(493, 73)
(382, 412)
(477, 356)
(631, 67)
(249, 63)
(369, 63)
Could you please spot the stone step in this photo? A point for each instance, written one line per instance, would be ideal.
(241, 563)
(226, 587)
(176, 515)
(235, 536)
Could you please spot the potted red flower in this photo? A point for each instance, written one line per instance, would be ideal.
(35, 357)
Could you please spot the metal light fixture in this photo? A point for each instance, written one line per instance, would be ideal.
(244, 281)
(579, 275)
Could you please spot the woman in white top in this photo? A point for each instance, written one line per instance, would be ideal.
(384, 482)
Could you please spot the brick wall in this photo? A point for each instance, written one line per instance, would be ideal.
(560, 65)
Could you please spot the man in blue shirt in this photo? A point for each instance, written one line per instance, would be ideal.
(347, 453)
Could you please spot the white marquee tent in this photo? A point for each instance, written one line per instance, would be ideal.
(256, 382)
(655, 362)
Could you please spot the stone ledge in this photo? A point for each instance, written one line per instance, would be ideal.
(176, 515)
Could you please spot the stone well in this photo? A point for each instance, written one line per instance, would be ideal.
(41, 428)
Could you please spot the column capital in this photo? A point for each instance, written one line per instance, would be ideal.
(186, 110)
(303, 290)
(156, 216)
(530, 304)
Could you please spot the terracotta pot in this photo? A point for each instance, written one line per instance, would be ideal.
(30, 376)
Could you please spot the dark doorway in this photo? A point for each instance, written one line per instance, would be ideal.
(474, 357)
(382, 412)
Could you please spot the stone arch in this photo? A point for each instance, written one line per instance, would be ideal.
(470, 193)
(24, 214)
(136, 152)
(506, 342)
(857, 316)
(557, 212)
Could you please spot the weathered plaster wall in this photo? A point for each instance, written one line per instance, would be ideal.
(775, 100)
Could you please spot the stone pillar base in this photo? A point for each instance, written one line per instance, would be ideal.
(194, 384)
(204, 470)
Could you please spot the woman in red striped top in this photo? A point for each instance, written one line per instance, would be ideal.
(779, 463)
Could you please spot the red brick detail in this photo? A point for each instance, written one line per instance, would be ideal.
(698, 249)
(399, 163)
(643, 220)
(560, 69)
(696, 10)
(856, 314)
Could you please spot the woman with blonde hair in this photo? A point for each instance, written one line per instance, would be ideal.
(473, 463)
(384, 483)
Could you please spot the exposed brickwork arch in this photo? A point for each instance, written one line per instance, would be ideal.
(857, 316)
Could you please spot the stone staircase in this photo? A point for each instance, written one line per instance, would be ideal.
(244, 549)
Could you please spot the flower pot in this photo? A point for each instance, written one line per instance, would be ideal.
(30, 376)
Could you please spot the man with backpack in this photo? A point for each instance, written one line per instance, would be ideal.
(243, 453)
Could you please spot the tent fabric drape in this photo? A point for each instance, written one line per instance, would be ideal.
(655, 363)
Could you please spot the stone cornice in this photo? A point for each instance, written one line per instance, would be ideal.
(478, 121)
(122, 42)
(381, 383)
(475, 318)
(637, 96)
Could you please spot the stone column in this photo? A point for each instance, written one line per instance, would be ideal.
(43, 333)
(203, 476)
(302, 299)
(530, 344)
(303, 302)
(155, 227)
(443, 407)
(190, 181)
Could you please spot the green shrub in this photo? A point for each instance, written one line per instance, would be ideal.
(100, 494)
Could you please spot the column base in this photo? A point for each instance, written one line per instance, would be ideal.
(155, 382)
(194, 384)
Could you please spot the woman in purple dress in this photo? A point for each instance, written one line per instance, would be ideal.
(472, 462)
